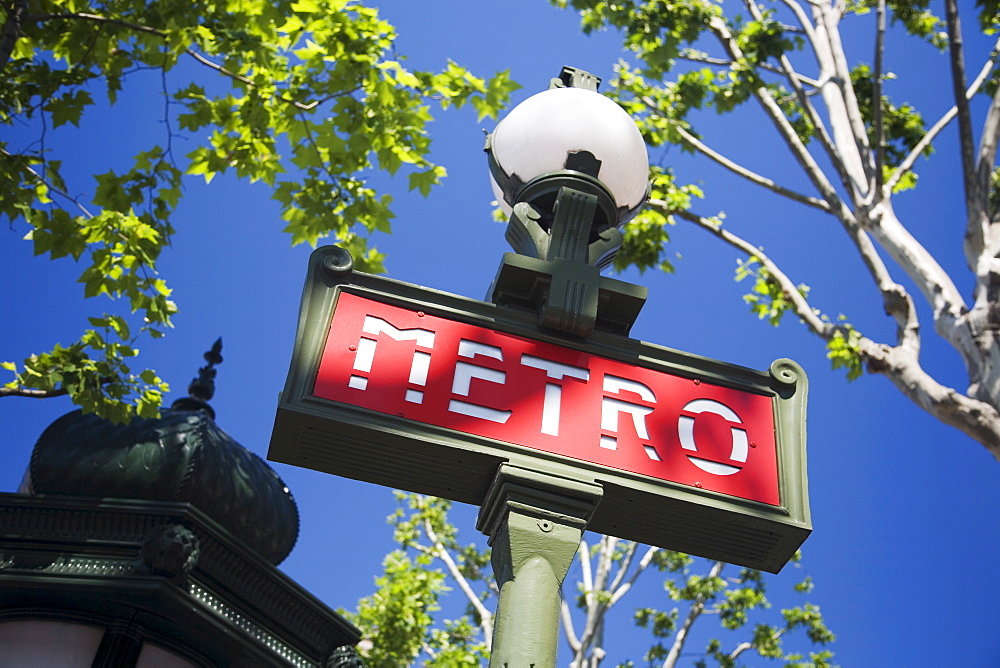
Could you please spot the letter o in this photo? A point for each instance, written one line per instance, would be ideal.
(740, 444)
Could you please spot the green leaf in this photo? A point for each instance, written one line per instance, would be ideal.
(68, 107)
(424, 181)
(844, 351)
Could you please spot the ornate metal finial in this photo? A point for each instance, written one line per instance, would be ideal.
(202, 388)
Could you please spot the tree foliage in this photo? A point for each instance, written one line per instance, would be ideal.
(857, 149)
(305, 96)
(400, 629)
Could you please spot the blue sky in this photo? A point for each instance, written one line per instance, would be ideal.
(905, 537)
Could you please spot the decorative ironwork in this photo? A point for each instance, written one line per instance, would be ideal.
(171, 550)
(344, 657)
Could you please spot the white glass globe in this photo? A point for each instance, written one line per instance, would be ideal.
(537, 135)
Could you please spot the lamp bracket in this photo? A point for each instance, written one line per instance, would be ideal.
(557, 273)
(570, 297)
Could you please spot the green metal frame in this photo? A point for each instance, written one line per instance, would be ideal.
(365, 445)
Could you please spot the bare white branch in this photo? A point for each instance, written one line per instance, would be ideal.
(626, 563)
(697, 607)
(442, 553)
(705, 59)
(877, 120)
(847, 124)
(567, 623)
(946, 118)
(794, 79)
(749, 175)
(787, 132)
(584, 551)
(644, 563)
(804, 23)
(800, 305)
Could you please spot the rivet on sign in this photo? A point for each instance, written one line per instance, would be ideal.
(420, 314)
(753, 444)
(352, 347)
(698, 485)
(697, 382)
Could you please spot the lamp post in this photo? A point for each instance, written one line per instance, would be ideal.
(569, 167)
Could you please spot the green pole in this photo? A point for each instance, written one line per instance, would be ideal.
(535, 521)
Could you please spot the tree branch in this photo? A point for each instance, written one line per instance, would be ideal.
(623, 568)
(595, 608)
(804, 23)
(986, 157)
(11, 30)
(31, 393)
(41, 179)
(794, 80)
(567, 622)
(956, 59)
(977, 419)
(777, 117)
(925, 141)
(899, 363)
(705, 59)
(79, 16)
(933, 281)
(442, 553)
(697, 607)
(643, 565)
(896, 302)
(746, 645)
(800, 306)
(308, 106)
(981, 218)
(846, 121)
(877, 120)
(747, 174)
(584, 551)
(881, 222)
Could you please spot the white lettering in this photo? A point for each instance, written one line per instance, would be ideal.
(685, 430)
(611, 408)
(552, 402)
(376, 326)
(365, 354)
(418, 376)
(465, 372)
(363, 362)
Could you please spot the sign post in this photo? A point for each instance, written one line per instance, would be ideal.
(430, 392)
(535, 522)
(434, 393)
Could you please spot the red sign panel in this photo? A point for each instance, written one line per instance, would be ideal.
(549, 398)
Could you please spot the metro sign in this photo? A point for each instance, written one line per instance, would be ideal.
(550, 398)
(408, 387)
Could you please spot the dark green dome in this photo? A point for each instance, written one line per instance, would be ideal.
(182, 456)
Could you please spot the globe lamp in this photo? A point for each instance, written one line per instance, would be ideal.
(569, 168)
